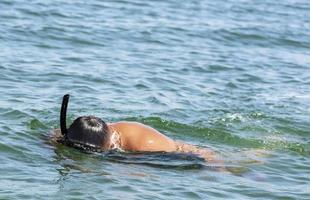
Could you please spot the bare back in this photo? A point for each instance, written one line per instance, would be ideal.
(139, 137)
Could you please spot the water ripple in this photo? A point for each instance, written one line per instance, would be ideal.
(228, 75)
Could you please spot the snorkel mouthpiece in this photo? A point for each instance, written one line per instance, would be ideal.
(63, 115)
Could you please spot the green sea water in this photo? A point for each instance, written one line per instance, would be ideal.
(233, 76)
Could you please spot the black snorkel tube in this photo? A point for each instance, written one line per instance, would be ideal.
(63, 115)
(64, 131)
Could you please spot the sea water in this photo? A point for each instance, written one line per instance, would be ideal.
(233, 76)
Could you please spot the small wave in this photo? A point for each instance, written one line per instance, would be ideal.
(16, 151)
(36, 124)
(80, 41)
(141, 86)
(222, 137)
(15, 114)
(257, 37)
(7, 2)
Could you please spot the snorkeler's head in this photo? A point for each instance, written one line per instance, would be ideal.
(87, 132)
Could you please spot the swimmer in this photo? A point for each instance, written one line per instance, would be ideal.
(92, 133)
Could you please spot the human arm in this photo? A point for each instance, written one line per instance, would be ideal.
(55, 135)
(205, 153)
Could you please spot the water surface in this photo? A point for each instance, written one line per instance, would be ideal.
(230, 75)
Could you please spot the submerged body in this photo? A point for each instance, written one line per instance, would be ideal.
(92, 133)
(137, 137)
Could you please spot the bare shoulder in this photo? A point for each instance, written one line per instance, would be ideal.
(128, 124)
(140, 137)
(134, 128)
(137, 128)
(206, 153)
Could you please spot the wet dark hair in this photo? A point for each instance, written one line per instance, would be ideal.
(88, 133)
